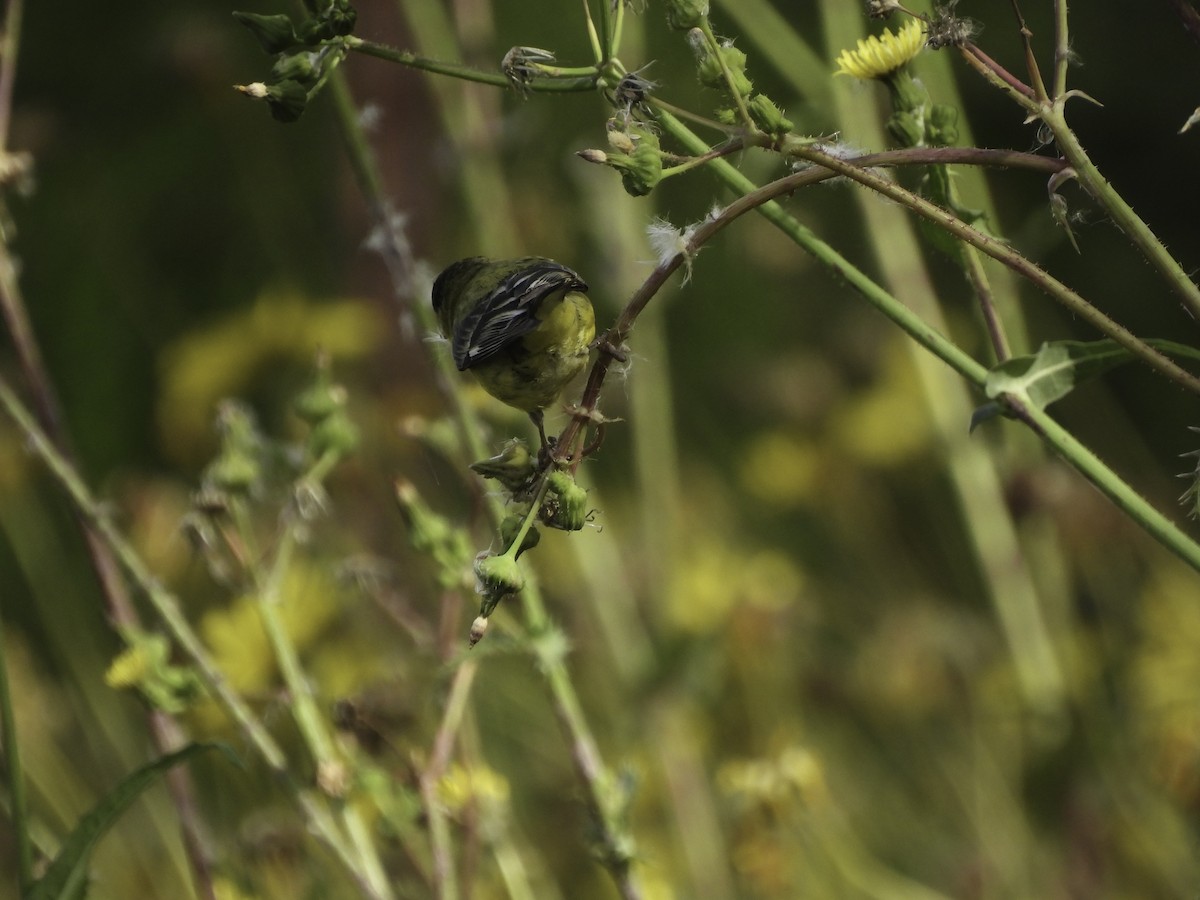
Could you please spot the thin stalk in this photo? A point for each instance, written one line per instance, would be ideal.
(169, 610)
(1062, 48)
(445, 879)
(16, 776)
(165, 732)
(313, 726)
(467, 73)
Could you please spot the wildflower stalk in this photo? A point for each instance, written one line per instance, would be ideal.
(167, 606)
(584, 752)
(553, 85)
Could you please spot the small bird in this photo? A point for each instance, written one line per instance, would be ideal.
(523, 326)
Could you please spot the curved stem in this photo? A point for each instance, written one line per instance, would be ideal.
(464, 72)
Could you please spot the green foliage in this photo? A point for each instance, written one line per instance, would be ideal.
(67, 876)
(779, 626)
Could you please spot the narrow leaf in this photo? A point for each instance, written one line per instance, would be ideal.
(67, 875)
(1061, 366)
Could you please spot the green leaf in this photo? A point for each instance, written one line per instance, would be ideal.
(67, 875)
(1060, 366)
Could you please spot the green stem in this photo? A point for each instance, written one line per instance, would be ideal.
(465, 72)
(169, 610)
(1107, 481)
(445, 877)
(16, 776)
(1062, 48)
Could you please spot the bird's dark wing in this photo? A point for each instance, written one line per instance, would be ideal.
(509, 311)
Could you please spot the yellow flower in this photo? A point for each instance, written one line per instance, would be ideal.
(878, 57)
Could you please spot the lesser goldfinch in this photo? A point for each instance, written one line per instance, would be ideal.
(523, 326)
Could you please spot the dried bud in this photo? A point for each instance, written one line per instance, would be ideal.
(593, 156)
(478, 629)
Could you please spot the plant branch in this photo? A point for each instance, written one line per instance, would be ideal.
(468, 73)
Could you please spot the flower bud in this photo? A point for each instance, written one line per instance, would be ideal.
(274, 33)
(942, 130)
(566, 506)
(334, 434)
(321, 398)
(288, 100)
(685, 14)
(499, 575)
(478, 629)
(513, 466)
(767, 116)
(301, 67)
(708, 68)
(593, 156)
(509, 529)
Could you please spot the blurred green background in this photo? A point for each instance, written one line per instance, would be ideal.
(778, 624)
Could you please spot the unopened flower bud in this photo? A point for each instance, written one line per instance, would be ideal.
(334, 434)
(708, 68)
(513, 466)
(499, 575)
(767, 115)
(566, 507)
(593, 156)
(275, 33)
(620, 141)
(509, 529)
(685, 14)
(478, 629)
(300, 67)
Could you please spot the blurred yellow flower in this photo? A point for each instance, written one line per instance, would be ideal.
(219, 361)
(879, 57)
